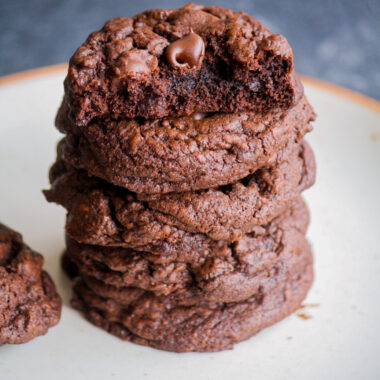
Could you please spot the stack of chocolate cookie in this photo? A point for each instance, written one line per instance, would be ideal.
(181, 171)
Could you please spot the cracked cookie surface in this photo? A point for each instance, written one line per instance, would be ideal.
(185, 153)
(102, 214)
(227, 272)
(157, 321)
(127, 69)
(29, 303)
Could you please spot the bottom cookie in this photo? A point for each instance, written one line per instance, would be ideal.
(225, 272)
(154, 321)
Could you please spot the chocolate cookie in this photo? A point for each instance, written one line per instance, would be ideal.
(230, 272)
(156, 321)
(176, 62)
(228, 212)
(102, 214)
(29, 303)
(182, 154)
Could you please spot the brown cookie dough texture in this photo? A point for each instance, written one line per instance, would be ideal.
(181, 171)
(176, 62)
(228, 272)
(102, 214)
(185, 153)
(154, 322)
(177, 322)
(29, 303)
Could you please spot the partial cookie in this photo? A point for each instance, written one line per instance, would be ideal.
(176, 62)
(182, 154)
(155, 321)
(29, 303)
(226, 273)
(102, 214)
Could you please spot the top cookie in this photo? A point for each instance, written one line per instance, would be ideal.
(176, 62)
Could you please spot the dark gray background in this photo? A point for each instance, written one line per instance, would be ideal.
(336, 40)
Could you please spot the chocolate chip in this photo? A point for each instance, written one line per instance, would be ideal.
(135, 62)
(187, 52)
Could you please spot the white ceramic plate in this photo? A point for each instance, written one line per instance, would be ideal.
(340, 340)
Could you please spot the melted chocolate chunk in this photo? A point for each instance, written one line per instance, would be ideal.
(187, 52)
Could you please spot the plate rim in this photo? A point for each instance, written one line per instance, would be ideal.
(335, 89)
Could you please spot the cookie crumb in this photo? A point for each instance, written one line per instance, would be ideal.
(303, 316)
